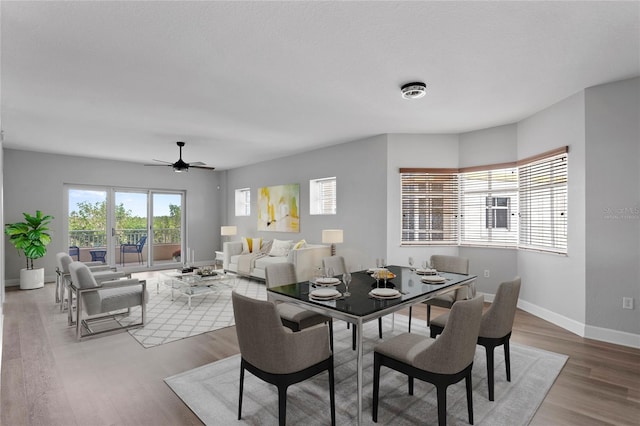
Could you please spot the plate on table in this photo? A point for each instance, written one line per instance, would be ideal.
(433, 279)
(385, 293)
(422, 271)
(327, 281)
(325, 294)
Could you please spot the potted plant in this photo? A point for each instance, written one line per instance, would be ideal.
(176, 256)
(30, 237)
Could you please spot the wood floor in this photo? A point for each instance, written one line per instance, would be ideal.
(50, 379)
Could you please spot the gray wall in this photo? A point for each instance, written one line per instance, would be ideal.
(554, 285)
(37, 183)
(360, 171)
(613, 204)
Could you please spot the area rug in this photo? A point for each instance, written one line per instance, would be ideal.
(170, 320)
(211, 391)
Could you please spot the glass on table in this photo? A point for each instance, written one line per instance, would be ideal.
(346, 278)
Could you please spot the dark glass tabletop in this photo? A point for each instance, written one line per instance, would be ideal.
(361, 304)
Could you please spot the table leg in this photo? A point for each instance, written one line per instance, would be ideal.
(359, 367)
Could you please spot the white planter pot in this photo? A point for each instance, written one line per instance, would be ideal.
(31, 278)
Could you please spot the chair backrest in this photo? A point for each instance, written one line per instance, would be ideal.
(455, 264)
(63, 261)
(141, 243)
(265, 343)
(498, 320)
(278, 274)
(74, 251)
(81, 275)
(454, 350)
(335, 262)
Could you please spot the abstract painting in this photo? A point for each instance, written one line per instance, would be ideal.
(279, 207)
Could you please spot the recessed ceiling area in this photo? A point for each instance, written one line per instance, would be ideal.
(243, 82)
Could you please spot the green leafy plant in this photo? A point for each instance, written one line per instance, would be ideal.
(30, 237)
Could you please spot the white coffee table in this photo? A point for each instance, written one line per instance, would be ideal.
(192, 284)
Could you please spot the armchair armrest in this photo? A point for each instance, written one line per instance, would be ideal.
(230, 248)
(101, 267)
(102, 276)
(121, 283)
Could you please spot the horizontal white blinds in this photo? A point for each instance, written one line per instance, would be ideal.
(543, 203)
(489, 207)
(323, 196)
(429, 208)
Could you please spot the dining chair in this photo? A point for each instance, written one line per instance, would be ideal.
(276, 355)
(74, 251)
(495, 327)
(443, 361)
(133, 248)
(339, 267)
(293, 316)
(106, 299)
(456, 265)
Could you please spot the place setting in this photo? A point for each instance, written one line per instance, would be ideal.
(324, 294)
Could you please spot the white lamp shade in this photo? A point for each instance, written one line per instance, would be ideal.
(332, 236)
(228, 230)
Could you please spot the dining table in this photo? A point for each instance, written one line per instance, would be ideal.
(361, 306)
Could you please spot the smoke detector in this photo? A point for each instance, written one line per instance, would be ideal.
(414, 90)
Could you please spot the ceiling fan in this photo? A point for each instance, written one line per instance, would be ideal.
(180, 165)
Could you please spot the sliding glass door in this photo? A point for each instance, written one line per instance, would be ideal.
(125, 227)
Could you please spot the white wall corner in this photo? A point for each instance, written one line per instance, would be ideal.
(613, 336)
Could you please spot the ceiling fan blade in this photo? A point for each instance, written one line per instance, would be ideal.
(197, 163)
(191, 166)
(162, 165)
(161, 161)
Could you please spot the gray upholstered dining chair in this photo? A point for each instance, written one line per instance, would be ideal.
(105, 299)
(456, 265)
(293, 316)
(101, 272)
(277, 355)
(337, 263)
(495, 327)
(442, 362)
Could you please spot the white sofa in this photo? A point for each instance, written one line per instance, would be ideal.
(305, 259)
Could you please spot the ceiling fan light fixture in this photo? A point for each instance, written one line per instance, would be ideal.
(414, 90)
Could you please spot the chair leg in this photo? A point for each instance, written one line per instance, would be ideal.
(380, 327)
(467, 380)
(490, 378)
(241, 389)
(376, 386)
(332, 394)
(442, 405)
(353, 338)
(282, 405)
(428, 315)
(410, 311)
(410, 385)
(507, 359)
(331, 334)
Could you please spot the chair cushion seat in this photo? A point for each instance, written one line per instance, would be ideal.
(404, 347)
(113, 299)
(303, 317)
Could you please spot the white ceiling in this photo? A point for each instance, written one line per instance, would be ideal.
(243, 82)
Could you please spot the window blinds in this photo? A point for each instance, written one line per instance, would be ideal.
(323, 196)
(429, 208)
(543, 202)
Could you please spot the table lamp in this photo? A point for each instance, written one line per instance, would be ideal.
(333, 237)
(228, 231)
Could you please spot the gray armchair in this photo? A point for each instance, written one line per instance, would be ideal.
(277, 355)
(495, 327)
(293, 316)
(443, 361)
(456, 265)
(101, 300)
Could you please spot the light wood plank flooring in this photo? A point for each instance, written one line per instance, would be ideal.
(50, 379)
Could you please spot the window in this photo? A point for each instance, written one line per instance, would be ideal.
(543, 202)
(519, 205)
(429, 208)
(322, 196)
(243, 202)
(488, 206)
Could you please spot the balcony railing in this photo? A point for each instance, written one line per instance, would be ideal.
(98, 238)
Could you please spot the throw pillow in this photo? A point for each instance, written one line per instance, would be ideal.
(246, 245)
(256, 244)
(280, 248)
(300, 244)
(266, 247)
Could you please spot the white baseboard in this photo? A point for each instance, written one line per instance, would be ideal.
(587, 331)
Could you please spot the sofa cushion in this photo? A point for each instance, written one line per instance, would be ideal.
(280, 247)
(262, 262)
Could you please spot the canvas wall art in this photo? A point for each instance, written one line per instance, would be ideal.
(279, 207)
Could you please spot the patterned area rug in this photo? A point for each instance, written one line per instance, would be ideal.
(170, 320)
(211, 391)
